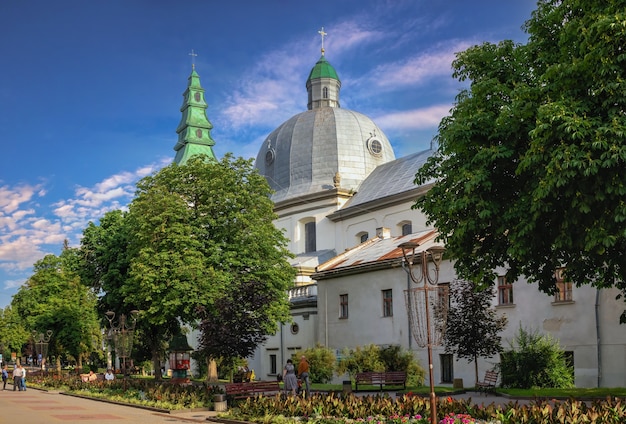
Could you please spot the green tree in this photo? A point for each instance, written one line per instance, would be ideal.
(198, 232)
(535, 360)
(472, 325)
(529, 169)
(13, 334)
(54, 299)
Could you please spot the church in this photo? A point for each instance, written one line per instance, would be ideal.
(344, 201)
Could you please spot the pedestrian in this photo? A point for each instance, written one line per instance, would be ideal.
(5, 377)
(303, 374)
(290, 380)
(109, 376)
(23, 377)
(17, 378)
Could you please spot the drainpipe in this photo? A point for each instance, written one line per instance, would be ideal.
(282, 347)
(408, 287)
(597, 310)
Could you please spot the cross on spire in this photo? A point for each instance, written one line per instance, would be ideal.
(193, 59)
(323, 34)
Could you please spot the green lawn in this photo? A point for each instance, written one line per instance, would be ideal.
(578, 393)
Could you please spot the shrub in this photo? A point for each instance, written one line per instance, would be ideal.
(375, 358)
(536, 361)
(321, 363)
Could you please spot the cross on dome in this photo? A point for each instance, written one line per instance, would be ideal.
(323, 34)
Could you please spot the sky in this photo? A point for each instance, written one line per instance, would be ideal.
(91, 90)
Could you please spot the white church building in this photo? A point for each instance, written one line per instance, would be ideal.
(344, 201)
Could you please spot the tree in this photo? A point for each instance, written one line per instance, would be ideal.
(13, 334)
(54, 299)
(529, 169)
(472, 326)
(202, 239)
(535, 360)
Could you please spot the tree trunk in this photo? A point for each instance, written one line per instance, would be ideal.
(211, 371)
(58, 365)
(156, 363)
(79, 363)
(476, 369)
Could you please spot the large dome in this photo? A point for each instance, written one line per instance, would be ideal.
(323, 148)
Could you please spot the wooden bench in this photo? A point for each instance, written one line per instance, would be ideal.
(252, 388)
(489, 382)
(385, 378)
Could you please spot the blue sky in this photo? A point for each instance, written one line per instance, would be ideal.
(90, 90)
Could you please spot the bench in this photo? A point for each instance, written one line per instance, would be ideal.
(385, 378)
(252, 388)
(489, 382)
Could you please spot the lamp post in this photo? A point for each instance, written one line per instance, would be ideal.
(41, 341)
(426, 280)
(121, 333)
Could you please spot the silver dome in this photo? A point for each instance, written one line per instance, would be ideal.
(321, 149)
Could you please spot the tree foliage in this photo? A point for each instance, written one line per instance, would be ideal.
(472, 325)
(197, 246)
(529, 169)
(535, 360)
(54, 299)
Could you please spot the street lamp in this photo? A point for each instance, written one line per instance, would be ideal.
(121, 333)
(425, 303)
(41, 341)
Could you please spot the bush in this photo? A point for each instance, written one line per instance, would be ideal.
(321, 363)
(536, 361)
(375, 358)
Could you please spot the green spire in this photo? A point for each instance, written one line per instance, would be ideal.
(194, 130)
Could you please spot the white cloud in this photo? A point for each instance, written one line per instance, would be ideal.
(423, 118)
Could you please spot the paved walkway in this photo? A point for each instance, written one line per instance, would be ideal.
(38, 407)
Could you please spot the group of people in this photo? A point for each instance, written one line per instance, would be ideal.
(19, 377)
(291, 374)
(92, 376)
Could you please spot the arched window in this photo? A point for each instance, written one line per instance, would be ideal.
(310, 244)
(325, 92)
(407, 228)
(362, 237)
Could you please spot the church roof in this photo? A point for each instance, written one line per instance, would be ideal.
(323, 69)
(304, 154)
(378, 252)
(390, 179)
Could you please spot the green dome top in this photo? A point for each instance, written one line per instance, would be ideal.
(323, 69)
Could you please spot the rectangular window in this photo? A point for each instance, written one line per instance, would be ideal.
(343, 306)
(387, 303)
(310, 243)
(447, 370)
(564, 289)
(505, 291)
(273, 368)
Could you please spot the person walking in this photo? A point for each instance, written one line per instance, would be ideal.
(290, 380)
(17, 378)
(303, 374)
(5, 377)
(23, 377)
